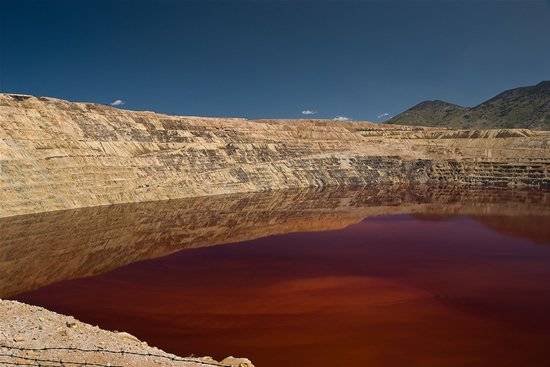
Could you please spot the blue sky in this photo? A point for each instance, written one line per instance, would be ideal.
(256, 59)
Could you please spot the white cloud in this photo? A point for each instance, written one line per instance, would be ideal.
(117, 102)
(341, 118)
(384, 115)
(308, 112)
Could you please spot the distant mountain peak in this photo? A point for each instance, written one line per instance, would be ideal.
(434, 102)
(523, 107)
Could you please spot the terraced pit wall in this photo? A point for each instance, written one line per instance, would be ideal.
(58, 155)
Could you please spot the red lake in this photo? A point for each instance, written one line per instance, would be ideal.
(388, 291)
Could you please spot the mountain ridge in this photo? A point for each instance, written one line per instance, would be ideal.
(522, 107)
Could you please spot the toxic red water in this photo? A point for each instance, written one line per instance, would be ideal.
(392, 291)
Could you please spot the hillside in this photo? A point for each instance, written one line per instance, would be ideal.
(525, 107)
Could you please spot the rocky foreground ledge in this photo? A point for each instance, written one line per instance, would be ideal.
(26, 330)
(56, 154)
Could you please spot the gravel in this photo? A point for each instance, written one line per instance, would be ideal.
(27, 331)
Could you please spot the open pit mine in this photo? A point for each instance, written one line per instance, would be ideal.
(80, 182)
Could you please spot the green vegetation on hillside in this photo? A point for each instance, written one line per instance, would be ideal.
(525, 107)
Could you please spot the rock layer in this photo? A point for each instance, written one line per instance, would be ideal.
(57, 155)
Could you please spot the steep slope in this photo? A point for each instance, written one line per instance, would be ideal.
(57, 155)
(525, 107)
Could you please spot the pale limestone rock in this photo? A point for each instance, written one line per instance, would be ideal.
(56, 155)
(16, 329)
(237, 362)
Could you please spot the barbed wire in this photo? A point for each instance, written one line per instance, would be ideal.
(32, 363)
(61, 362)
(7, 363)
(85, 350)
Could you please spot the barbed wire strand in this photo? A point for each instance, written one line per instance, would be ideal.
(110, 351)
(35, 364)
(6, 363)
(53, 361)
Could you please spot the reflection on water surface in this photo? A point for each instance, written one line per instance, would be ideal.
(334, 278)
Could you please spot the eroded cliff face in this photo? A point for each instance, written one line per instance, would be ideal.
(57, 155)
